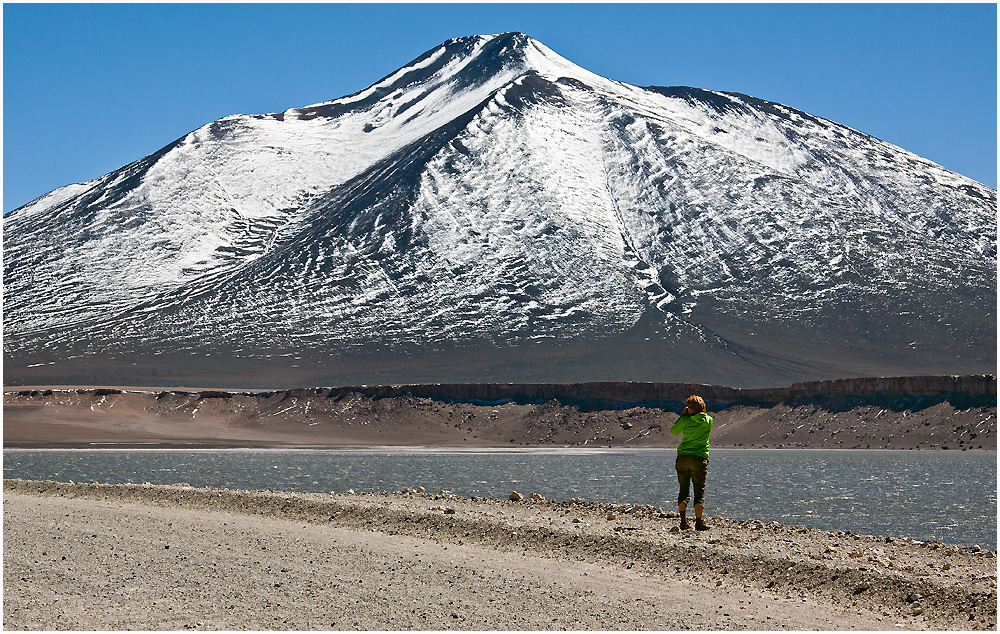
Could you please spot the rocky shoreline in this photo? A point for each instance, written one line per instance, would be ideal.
(748, 575)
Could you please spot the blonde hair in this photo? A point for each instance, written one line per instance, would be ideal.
(695, 404)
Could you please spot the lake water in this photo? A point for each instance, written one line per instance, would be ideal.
(949, 496)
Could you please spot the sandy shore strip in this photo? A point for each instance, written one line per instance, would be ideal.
(108, 557)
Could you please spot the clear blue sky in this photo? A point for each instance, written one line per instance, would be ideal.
(89, 88)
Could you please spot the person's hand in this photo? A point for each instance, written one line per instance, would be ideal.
(684, 412)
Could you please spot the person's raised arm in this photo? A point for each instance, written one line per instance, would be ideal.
(680, 423)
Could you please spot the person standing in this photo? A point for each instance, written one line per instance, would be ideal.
(692, 459)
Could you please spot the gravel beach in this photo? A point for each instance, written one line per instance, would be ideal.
(92, 556)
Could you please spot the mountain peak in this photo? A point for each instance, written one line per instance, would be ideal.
(515, 38)
(512, 50)
(461, 71)
(492, 212)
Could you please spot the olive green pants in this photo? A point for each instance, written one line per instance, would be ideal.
(691, 470)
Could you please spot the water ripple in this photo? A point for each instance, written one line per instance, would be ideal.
(949, 496)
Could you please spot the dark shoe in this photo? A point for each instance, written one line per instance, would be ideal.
(685, 526)
(700, 525)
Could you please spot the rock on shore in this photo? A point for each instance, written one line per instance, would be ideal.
(89, 556)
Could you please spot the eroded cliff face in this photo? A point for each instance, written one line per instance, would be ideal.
(639, 392)
(611, 392)
(946, 412)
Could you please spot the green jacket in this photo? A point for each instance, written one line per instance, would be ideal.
(696, 430)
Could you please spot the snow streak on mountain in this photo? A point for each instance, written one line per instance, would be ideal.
(493, 212)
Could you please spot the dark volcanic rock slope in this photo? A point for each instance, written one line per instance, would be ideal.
(492, 212)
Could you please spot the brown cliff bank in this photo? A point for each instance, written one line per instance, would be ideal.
(941, 412)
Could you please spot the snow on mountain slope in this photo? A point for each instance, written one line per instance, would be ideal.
(493, 197)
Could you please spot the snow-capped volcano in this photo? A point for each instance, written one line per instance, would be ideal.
(493, 212)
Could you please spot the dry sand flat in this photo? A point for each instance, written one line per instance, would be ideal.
(95, 556)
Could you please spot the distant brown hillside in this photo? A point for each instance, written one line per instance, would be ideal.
(942, 412)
